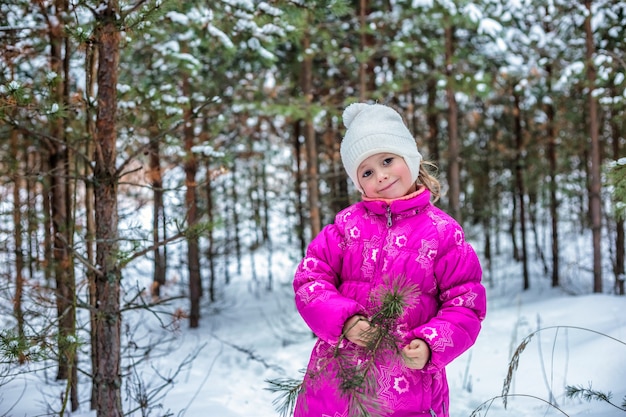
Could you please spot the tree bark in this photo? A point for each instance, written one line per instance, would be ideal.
(61, 213)
(46, 197)
(33, 160)
(90, 233)
(454, 163)
(158, 214)
(311, 142)
(226, 247)
(620, 251)
(363, 43)
(234, 193)
(337, 179)
(595, 181)
(552, 185)
(191, 203)
(432, 118)
(267, 238)
(18, 311)
(210, 251)
(520, 188)
(297, 150)
(108, 318)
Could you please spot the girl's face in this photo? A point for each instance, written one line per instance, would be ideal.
(385, 175)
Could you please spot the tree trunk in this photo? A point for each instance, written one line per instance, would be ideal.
(46, 197)
(552, 166)
(363, 43)
(33, 160)
(91, 61)
(71, 197)
(297, 151)
(454, 163)
(620, 251)
(226, 247)
(108, 318)
(234, 193)
(211, 236)
(254, 195)
(520, 188)
(337, 180)
(267, 238)
(311, 142)
(595, 183)
(513, 220)
(552, 185)
(191, 203)
(18, 234)
(61, 208)
(155, 179)
(432, 118)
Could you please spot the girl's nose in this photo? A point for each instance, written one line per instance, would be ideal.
(382, 176)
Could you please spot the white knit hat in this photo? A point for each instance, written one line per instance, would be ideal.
(372, 129)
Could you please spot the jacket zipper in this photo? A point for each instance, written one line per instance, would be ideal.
(389, 216)
(432, 413)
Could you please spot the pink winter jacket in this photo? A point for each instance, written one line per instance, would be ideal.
(373, 244)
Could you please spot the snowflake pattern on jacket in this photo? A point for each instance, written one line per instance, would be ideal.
(370, 245)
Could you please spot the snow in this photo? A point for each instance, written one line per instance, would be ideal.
(179, 18)
(215, 32)
(251, 335)
(490, 27)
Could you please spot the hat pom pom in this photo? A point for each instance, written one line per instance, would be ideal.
(352, 111)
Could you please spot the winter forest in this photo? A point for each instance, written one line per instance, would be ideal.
(153, 153)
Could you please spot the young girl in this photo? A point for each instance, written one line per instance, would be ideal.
(391, 289)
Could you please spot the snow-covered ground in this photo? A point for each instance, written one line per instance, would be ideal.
(252, 335)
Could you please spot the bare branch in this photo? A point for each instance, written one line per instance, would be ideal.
(148, 249)
(78, 256)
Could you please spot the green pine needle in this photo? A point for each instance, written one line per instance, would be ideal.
(589, 394)
(287, 390)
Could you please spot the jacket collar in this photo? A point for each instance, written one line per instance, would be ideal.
(416, 201)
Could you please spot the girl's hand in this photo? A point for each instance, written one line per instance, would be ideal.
(416, 354)
(355, 330)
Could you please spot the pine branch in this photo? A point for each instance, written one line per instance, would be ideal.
(288, 390)
(589, 394)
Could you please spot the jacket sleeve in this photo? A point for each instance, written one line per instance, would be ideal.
(316, 285)
(462, 300)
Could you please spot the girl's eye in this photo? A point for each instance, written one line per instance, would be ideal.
(367, 173)
(387, 161)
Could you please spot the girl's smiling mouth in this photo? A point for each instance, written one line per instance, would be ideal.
(387, 187)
